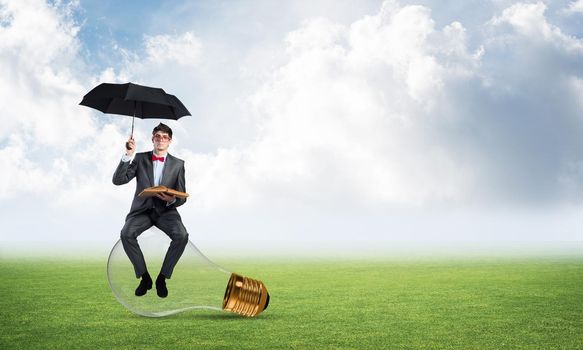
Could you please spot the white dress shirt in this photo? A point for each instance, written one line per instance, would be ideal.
(158, 169)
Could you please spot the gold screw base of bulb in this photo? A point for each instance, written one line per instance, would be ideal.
(245, 296)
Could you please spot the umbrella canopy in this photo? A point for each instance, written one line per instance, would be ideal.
(135, 100)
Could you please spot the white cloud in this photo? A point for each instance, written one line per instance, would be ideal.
(162, 55)
(40, 92)
(575, 6)
(163, 49)
(25, 176)
(529, 20)
(344, 119)
(37, 81)
(391, 111)
(45, 133)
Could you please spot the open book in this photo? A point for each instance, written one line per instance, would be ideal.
(151, 191)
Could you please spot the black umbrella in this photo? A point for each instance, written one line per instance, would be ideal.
(136, 100)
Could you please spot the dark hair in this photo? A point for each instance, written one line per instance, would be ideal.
(162, 128)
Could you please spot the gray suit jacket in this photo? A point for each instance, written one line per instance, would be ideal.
(142, 169)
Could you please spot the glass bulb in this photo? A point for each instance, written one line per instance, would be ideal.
(196, 283)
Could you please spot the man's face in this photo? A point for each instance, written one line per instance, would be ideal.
(161, 141)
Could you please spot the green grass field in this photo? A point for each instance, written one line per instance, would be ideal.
(432, 304)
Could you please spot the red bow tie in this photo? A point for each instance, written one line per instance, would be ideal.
(154, 158)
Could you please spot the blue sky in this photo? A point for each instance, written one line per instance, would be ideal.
(315, 123)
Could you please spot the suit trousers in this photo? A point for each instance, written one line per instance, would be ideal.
(167, 221)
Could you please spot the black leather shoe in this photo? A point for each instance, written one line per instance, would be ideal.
(161, 289)
(144, 286)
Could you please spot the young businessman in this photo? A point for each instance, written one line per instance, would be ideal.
(153, 168)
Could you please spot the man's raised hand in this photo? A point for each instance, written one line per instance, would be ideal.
(130, 146)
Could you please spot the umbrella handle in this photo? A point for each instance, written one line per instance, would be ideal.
(132, 134)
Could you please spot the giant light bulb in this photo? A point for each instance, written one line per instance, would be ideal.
(196, 283)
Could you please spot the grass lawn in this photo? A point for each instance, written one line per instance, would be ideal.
(441, 304)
